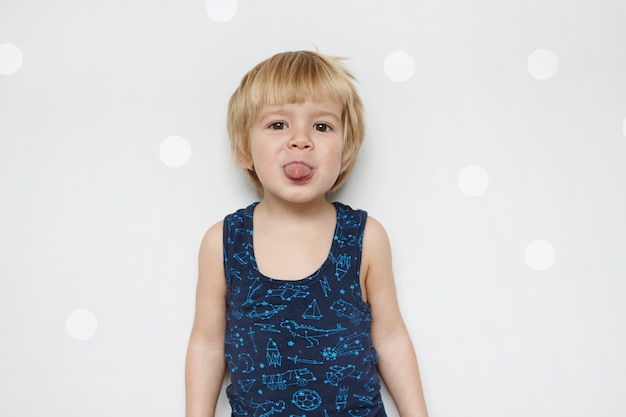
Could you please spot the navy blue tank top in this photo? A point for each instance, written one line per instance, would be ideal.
(299, 348)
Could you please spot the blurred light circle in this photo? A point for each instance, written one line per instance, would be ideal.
(399, 66)
(11, 58)
(543, 64)
(221, 11)
(473, 181)
(175, 151)
(81, 324)
(540, 255)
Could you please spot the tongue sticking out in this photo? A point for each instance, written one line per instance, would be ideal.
(297, 171)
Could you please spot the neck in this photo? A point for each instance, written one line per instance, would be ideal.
(285, 211)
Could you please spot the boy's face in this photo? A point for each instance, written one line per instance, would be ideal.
(296, 149)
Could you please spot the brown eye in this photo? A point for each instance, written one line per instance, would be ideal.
(277, 126)
(322, 127)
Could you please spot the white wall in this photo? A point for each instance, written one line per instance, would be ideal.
(99, 235)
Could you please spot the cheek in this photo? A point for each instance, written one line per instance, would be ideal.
(256, 153)
(336, 158)
(339, 152)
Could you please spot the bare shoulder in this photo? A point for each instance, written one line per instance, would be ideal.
(376, 269)
(212, 239)
(375, 240)
(210, 257)
(210, 316)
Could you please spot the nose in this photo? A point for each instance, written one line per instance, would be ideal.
(300, 140)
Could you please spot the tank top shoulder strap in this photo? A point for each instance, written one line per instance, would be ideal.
(350, 225)
(349, 234)
(237, 241)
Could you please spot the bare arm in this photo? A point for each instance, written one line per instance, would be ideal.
(205, 367)
(397, 361)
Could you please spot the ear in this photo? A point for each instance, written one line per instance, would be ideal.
(244, 161)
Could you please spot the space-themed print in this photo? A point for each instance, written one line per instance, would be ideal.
(299, 348)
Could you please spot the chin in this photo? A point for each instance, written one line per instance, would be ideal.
(300, 197)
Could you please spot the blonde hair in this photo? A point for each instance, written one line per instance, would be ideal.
(294, 77)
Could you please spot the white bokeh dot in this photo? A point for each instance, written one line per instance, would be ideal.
(473, 181)
(221, 11)
(11, 58)
(81, 324)
(175, 151)
(399, 66)
(542, 64)
(540, 255)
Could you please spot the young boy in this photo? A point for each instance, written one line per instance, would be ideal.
(295, 293)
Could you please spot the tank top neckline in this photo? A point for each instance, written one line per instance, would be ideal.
(309, 278)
